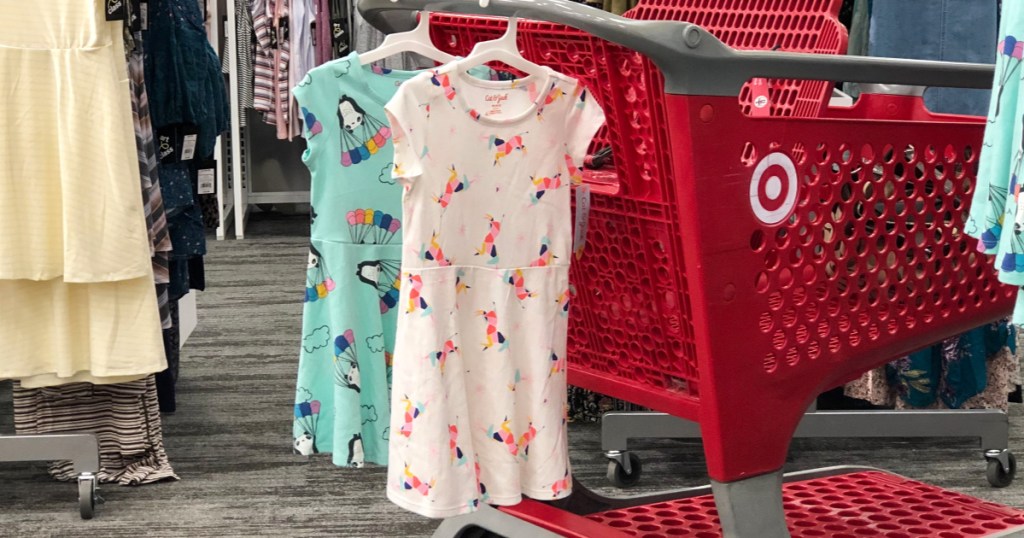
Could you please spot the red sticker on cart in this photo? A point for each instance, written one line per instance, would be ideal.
(773, 188)
(759, 98)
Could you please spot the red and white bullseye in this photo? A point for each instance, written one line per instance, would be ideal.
(773, 188)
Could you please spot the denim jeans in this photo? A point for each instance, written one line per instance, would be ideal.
(948, 30)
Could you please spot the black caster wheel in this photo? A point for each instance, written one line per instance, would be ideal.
(618, 476)
(87, 497)
(999, 477)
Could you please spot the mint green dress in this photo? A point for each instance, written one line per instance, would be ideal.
(342, 399)
(996, 217)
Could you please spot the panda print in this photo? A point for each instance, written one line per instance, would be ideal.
(355, 451)
(362, 135)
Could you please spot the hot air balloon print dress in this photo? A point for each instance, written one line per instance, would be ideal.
(479, 393)
(352, 275)
(997, 209)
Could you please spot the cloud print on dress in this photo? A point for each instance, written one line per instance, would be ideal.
(375, 343)
(369, 413)
(316, 339)
(343, 67)
(386, 433)
(385, 175)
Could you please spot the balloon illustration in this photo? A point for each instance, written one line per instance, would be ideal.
(362, 135)
(383, 275)
(372, 226)
(312, 125)
(346, 368)
(1008, 61)
(318, 281)
(307, 414)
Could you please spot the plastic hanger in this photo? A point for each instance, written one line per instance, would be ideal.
(504, 49)
(416, 40)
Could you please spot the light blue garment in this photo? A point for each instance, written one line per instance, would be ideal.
(948, 30)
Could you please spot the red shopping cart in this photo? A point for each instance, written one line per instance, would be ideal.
(738, 264)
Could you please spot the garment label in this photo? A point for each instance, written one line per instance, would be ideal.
(207, 180)
(115, 10)
(579, 239)
(165, 148)
(312, 33)
(144, 15)
(759, 98)
(495, 102)
(188, 147)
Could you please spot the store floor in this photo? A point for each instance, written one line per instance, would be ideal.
(230, 440)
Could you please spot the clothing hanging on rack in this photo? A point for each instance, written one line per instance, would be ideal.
(244, 41)
(85, 252)
(124, 417)
(479, 364)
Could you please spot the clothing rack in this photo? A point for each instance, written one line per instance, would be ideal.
(82, 449)
(239, 158)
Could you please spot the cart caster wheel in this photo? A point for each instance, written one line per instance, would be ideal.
(997, 475)
(618, 476)
(87, 496)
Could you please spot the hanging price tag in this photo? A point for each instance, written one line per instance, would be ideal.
(115, 10)
(207, 180)
(188, 147)
(144, 15)
(579, 240)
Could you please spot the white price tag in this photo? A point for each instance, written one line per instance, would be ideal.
(144, 15)
(207, 181)
(188, 147)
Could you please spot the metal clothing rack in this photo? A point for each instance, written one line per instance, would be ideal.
(991, 426)
(239, 158)
(81, 448)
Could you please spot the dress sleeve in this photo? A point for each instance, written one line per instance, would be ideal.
(408, 123)
(582, 123)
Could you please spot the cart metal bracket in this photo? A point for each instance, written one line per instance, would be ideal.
(493, 520)
(752, 507)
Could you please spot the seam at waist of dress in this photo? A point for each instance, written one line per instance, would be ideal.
(457, 266)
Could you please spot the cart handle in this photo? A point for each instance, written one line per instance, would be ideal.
(693, 61)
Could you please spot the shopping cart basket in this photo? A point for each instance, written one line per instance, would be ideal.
(736, 266)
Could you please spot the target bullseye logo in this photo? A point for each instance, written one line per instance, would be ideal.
(761, 101)
(773, 188)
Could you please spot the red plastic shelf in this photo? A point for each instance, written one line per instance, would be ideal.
(853, 505)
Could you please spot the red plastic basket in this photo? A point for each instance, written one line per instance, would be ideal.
(688, 302)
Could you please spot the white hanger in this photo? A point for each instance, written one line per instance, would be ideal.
(416, 40)
(504, 49)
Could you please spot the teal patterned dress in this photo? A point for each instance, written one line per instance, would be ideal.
(996, 219)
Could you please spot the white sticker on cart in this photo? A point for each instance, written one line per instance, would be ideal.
(773, 188)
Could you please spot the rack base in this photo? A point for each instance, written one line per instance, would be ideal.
(82, 449)
(839, 502)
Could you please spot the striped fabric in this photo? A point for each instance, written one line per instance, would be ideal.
(282, 57)
(243, 40)
(263, 63)
(124, 417)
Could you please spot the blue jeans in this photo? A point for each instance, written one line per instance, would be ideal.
(948, 30)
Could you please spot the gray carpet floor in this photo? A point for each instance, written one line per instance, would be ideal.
(230, 440)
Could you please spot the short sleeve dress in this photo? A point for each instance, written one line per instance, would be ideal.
(479, 394)
(352, 284)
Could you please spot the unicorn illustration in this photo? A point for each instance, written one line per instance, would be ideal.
(557, 364)
(503, 148)
(524, 440)
(516, 280)
(434, 252)
(411, 413)
(563, 302)
(561, 486)
(458, 458)
(546, 256)
(504, 435)
(453, 186)
(544, 184)
(411, 481)
(493, 335)
(416, 300)
(553, 95)
(442, 81)
(488, 247)
(440, 357)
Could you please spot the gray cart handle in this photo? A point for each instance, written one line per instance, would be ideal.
(693, 61)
